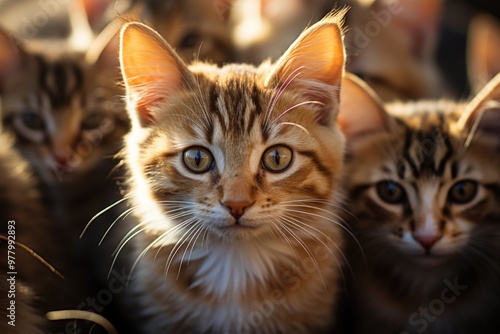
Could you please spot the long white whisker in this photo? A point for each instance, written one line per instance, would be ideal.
(100, 213)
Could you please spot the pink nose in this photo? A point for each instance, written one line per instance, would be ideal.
(61, 159)
(236, 207)
(427, 241)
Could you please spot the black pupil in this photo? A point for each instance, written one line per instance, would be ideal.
(197, 158)
(460, 190)
(392, 189)
(32, 120)
(189, 40)
(277, 157)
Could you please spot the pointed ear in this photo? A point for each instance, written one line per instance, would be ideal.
(313, 66)
(483, 50)
(361, 111)
(151, 70)
(482, 114)
(12, 56)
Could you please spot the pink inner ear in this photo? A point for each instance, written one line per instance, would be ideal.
(151, 69)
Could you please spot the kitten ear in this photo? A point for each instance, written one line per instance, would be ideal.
(361, 111)
(483, 50)
(482, 114)
(313, 66)
(11, 56)
(151, 70)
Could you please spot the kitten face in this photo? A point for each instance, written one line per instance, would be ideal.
(65, 112)
(425, 193)
(238, 166)
(236, 146)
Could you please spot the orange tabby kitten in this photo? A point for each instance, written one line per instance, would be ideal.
(233, 180)
(423, 186)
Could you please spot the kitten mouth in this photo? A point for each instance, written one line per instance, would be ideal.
(430, 258)
(238, 226)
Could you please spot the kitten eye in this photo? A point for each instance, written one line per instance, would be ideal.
(92, 121)
(463, 192)
(190, 40)
(198, 159)
(391, 192)
(277, 158)
(33, 121)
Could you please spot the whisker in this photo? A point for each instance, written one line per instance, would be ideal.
(99, 214)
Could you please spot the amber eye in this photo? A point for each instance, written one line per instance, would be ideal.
(277, 158)
(463, 192)
(198, 159)
(92, 121)
(391, 192)
(33, 121)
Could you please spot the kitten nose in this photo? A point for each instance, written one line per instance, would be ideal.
(61, 159)
(427, 241)
(237, 207)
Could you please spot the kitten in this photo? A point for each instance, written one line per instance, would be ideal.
(423, 188)
(65, 110)
(196, 29)
(233, 181)
(390, 44)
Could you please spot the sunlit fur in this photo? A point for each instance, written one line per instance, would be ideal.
(427, 153)
(198, 269)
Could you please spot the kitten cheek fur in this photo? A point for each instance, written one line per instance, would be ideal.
(188, 280)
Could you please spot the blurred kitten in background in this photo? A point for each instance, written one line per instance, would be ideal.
(391, 45)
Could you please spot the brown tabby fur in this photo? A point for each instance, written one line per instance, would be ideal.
(274, 267)
(401, 285)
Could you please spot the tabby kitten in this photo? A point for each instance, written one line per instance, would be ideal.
(423, 186)
(233, 180)
(65, 111)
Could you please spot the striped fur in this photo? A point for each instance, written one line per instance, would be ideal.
(427, 151)
(75, 100)
(274, 267)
